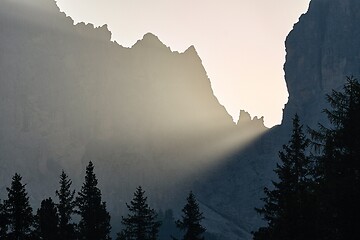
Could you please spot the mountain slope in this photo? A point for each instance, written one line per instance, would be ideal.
(144, 115)
(147, 115)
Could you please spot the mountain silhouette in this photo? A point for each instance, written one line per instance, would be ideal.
(144, 115)
(147, 116)
(321, 50)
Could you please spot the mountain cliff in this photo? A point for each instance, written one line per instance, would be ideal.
(147, 115)
(321, 51)
(144, 115)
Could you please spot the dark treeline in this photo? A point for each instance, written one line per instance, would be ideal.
(54, 220)
(317, 193)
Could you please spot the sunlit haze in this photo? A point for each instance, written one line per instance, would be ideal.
(241, 43)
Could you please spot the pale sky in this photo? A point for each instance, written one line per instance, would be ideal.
(240, 42)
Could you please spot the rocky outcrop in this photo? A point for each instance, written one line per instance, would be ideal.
(321, 51)
(245, 122)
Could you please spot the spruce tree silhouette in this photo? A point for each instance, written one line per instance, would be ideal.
(338, 164)
(287, 208)
(141, 223)
(18, 211)
(48, 221)
(191, 220)
(95, 220)
(66, 207)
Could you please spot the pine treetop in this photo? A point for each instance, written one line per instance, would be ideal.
(66, 207)
(66, 199)
(95, 220)
(141, 221)
(286, 205)
(89, 192)
(191, 220)
(18, 209)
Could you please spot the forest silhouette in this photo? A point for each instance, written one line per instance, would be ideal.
(314, 197)
(317, 192)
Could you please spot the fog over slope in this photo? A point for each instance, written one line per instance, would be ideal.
(144, 115)
(147, 115)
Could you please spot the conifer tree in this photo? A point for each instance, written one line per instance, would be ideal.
(141, 223)
(48, 221)
(287, 208)
(66, 207)
(95, 220)
(191, 220)
(338, 165)
(18, 211)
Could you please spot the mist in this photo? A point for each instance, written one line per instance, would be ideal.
(144, 115)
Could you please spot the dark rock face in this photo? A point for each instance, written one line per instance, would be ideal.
(322, 49)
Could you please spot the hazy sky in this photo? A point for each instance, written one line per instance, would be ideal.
(241, 42)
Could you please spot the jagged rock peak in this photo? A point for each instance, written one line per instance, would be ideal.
(259, 120)
(150, 40)
(191, 50)
(245, 120)
(150, 37)
(244, 117)
(98, 32)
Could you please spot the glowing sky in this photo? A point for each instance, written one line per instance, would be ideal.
(241, 42)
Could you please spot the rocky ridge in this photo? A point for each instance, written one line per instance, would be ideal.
(144, 115)
(70, 95)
